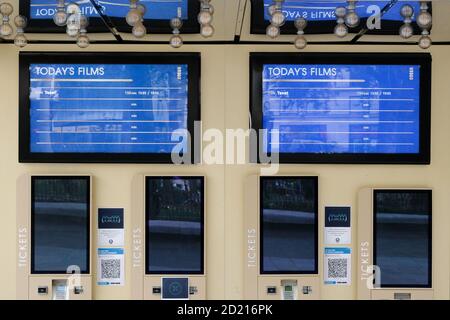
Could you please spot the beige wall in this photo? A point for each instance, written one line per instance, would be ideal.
(225, 96)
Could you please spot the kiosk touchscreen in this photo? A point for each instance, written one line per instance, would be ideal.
(395, 239)
(168, 238)
(281, 222)
(54, 233)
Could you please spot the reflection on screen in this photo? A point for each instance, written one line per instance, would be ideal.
(403, 238)
(324, 10)
(156, 9)
(108, 108)
(60, 224)
(288, 226)
(338, 109)
(174, 225)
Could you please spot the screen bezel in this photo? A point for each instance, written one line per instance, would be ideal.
(258, 60)
(194, 109)
(430, 234)
(32, 222)
(315, 179)
(202, 226)
(259, 24)
(96, 25)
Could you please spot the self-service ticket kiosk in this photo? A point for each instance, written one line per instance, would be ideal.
(281, 225)
(54, 237)
(395, 244)
(168, 238)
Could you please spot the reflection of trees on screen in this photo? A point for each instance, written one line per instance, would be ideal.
(289, 194)
(404, 202)
(175, 199)
(58, 190)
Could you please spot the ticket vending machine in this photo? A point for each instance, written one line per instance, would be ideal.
(395, 244)
(54, 237)
(281, 226)
(168, 238)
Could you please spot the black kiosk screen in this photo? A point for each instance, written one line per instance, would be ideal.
(60, 224)
(402, 237)
(288, 225)
(174, 225)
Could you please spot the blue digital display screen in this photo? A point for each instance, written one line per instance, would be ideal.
(325, 10)
(156, 9)
(333, 109)
(108, 108)
(403, 237)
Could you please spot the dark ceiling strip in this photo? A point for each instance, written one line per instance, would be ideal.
(107, 21)
(232, 42)
(383, 11)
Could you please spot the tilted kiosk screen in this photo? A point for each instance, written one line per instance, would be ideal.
(174, 225)
(367, 108)
(157, 15)
(60, 224)
(322, 19)
(134, 108)
(288, 225)
(402, 238)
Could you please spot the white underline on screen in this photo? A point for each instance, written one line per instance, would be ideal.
(339, 121)
(81, 80)
(111, 143)
(107, 121)
(344, 143)
(313, 80)
(337, 99)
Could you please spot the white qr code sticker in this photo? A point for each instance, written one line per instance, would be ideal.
(110, 271)
(337, 266)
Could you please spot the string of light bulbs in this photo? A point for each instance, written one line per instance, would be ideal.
(76, 23)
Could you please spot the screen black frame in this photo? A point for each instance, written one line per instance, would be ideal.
(430, 234)
(315, 179)
(258, 60)
(194, 108)
(32, 222)
(96, 24)
(259, 24)
(202, 224)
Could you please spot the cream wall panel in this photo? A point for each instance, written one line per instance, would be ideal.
(225, 102)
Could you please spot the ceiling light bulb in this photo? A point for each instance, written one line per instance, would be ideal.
(6, 9)
(6, 30)
(278, 19)
(424, 20)
(425, 42)
(406, 31)
(340, 12)
(204, 17)
(176, 41)
(139, 30)
(272, 31)
(20, 40)
(176, 23)
(207, 31)
(300, 42)
(133, 17)
(73, 8)
(406, 11)
(142, 9)
(352, 19)
(20, 22)
(83, 41)
(60, 18)
(341, 30)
